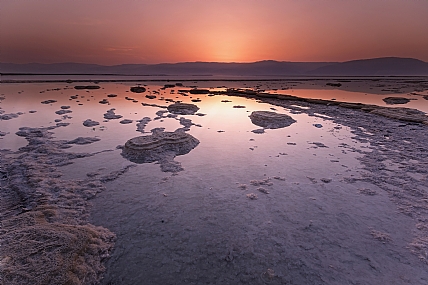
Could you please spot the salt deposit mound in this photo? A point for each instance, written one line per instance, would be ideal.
(183, 109)
(161, 147)
(271, 120)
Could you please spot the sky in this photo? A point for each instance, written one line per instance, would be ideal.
(156, 31)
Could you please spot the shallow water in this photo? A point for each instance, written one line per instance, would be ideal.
(198, 225)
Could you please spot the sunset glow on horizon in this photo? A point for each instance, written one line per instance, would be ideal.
(117, 32)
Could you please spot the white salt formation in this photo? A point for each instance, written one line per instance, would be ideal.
(161, 147)
(183, 108)
(271, 120)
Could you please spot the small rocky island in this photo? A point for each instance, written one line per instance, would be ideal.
(160, 146)
(271, 120)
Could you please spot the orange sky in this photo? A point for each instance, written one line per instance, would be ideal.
(153, 31)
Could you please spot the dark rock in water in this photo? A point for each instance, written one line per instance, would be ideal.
(8, 116)
(238, 106)
(271, 120)
(396, 100)
(65, 107)
(258, 131)
(62, 124)
(62, 112)
(196, 100)
(199, 91)
(183, 108)
(169, 86)
(90, 123)
(50, 101)
(178, 84)
(138, 89)
(161, 147)
(317, 125)
(104, 101)
(2, 134)
(83, 140)
(110, 115)
(87, 87)
(142, 124)
(151, 96)
(334, 84)
(126, 121)
(32, 111)
(425, 97)
(111, 95)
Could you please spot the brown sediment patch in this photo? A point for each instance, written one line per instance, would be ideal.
(161, 147)
(45, 236)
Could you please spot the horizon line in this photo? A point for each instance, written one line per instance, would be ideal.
(222, 62)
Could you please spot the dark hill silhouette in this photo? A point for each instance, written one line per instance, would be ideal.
(375, 66)
(365, 67)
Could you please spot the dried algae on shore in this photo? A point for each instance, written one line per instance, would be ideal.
(45, 236)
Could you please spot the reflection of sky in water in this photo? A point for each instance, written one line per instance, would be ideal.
(235, 145)
(417, 102)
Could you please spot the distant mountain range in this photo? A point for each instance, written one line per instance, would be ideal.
(392, 66)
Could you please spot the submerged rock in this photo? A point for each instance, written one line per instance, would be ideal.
(396, 100)
(183, 108)
(271, 120)
(161, 147)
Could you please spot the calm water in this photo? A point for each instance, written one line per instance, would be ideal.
(200, 224)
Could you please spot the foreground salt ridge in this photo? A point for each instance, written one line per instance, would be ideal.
(45, 236)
